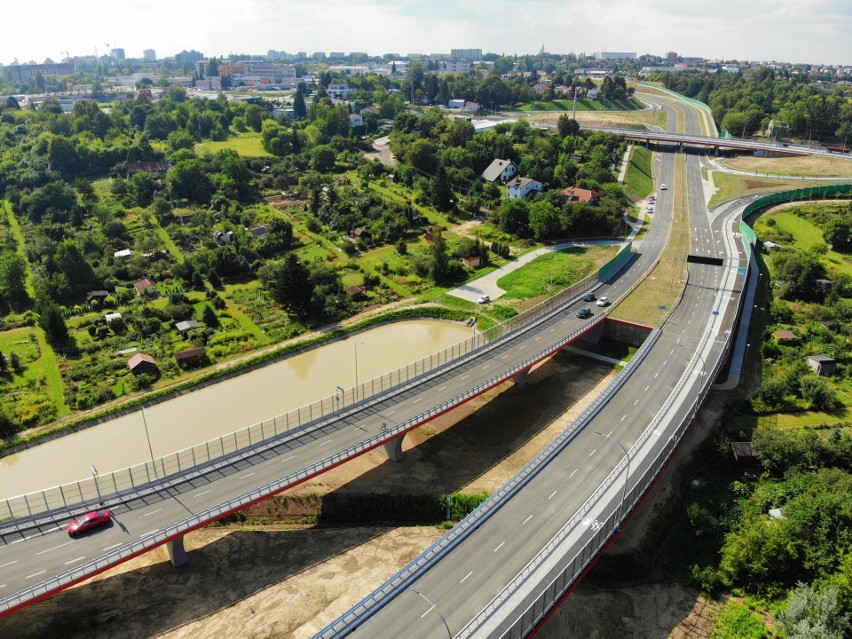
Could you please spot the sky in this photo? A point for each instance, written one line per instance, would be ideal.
(799, 31)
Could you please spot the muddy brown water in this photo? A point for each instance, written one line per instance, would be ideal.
(230, 405)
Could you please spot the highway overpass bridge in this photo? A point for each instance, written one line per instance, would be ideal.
(630, 435)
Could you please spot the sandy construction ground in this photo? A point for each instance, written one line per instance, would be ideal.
(289, 581)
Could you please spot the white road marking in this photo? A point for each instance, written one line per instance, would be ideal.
(466, 376)
(484, 366)
(442, 388)
(152, 512)
(636, 402)
(9, 564)
(54, 548)
(427, 612)
(593, 452)
(573, 473)
(391, 412)
(288, 459)
(327, 441)
(522, 347)
(647, 387)
(74, 561)
(416, 400)
(466, 576)
(36, 574)
(499, 547)
(113, 546)
(623, 418)
(526, 520)
(204, 493)
(246, 476)
(551, 495)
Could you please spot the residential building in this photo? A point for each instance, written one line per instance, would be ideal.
(149, 55)
(615, 55)
(142, 363)
(185, 326)
(466, 54)
(822, 365)
(339, 91)
(471, 261)
(356, 119)
(117, 54)
(455, 104)
(190, 356)
(188, 58)
(502, 170)
(145, 286)
(520, 187)
(111, 317)
(575, 194)
(25, 72)
(96, 296)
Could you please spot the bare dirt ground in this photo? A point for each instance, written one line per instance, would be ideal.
(290, 581)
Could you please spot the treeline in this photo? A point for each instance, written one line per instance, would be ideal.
(744, 105)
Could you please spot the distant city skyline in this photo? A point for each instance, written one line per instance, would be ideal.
(814, 32)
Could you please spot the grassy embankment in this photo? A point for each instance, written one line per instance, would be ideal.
(246, 144)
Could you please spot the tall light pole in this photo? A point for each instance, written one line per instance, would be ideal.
(356, 360)
(434, 607)
(97, 488)
(147, 434)
(626, 474)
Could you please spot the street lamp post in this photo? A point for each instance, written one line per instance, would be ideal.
(627, 470)
(97, 488)
(434, 607)
(147, 434)
(356, 360)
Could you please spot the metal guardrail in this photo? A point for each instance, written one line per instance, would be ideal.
(60, 501)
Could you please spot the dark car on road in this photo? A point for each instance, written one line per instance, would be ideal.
(89, 521)
(584, 312)
(589, 297)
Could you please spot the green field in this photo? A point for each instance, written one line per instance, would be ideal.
(550, 273)
(246, 144)
(640, 176)
(630, 104)
(806, 235)
(730, 187)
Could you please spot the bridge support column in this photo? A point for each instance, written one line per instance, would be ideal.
(522, 378)
(393, 448)
(177, 554)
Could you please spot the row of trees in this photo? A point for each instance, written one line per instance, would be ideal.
(744, 105)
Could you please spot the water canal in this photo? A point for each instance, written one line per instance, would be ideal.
(227, 406)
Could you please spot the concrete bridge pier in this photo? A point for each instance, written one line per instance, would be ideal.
(522, 378)
(177, 554)
(393, 448)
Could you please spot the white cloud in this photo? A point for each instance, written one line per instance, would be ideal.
(814, 31)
